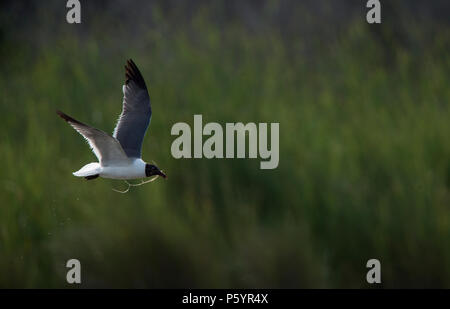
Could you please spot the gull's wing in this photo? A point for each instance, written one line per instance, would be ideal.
(136, 112)
(105, 147)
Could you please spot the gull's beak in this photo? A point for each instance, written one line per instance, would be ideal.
(160, 173)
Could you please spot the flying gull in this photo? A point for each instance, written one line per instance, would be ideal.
(119, 155)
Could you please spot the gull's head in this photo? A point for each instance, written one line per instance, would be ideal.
(152, 170)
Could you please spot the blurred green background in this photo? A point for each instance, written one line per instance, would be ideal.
(364, 144)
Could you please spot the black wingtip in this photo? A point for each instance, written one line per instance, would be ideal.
(67, 117)
(62, 115)
(132, 73)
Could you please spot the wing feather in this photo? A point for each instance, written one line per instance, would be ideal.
(136, 112)
(105, 147)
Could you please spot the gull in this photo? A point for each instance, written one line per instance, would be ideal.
(119, 155)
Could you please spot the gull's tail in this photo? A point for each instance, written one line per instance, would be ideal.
(90, 169)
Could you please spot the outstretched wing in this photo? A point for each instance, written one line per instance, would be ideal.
(136, 112)
(105, 147)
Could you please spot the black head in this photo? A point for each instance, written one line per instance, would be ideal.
(152, 170)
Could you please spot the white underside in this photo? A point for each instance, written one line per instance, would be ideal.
(124, 170)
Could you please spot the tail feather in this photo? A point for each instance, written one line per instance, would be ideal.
(90, 169)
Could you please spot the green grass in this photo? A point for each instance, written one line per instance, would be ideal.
(364, 164)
